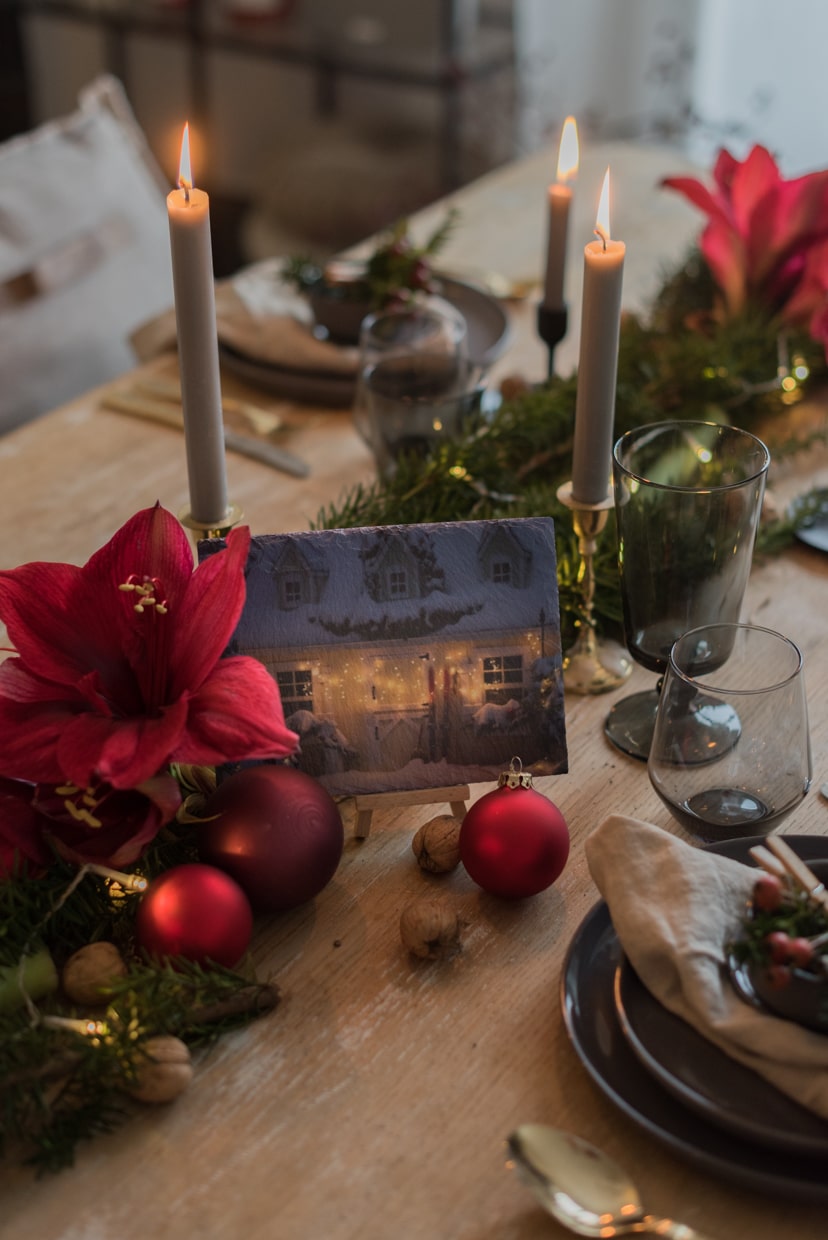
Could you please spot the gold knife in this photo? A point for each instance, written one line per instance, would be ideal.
(168, 414)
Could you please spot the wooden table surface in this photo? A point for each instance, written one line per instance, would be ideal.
(374, 1102)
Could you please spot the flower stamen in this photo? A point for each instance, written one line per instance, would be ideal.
(82, 812)
(150, 591)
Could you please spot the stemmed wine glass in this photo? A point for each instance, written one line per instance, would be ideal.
(731, 753)
(687, 502)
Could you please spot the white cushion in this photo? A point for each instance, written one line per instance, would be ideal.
(84, 252)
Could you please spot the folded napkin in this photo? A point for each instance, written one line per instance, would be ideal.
(260, 316)
(674, 908)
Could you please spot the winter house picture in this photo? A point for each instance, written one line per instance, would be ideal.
(411, 657)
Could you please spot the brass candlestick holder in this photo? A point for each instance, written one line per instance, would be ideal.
(590, 665)
(218, 529)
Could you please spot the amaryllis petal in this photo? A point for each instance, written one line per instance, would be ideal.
(22, 839)
(123, 752)
(751, 183)
(30, 734)
(698, 193)
(723, 255)
(724, 170)
(811, 292)
(215, 599)
(219, 732)
(40, 604)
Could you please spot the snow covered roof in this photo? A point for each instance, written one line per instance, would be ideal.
(459, 595)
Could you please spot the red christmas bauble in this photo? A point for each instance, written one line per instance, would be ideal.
(514, 842)
(277, 832)
(195, 911)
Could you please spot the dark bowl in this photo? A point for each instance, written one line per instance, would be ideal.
(340, 309)
(804, 1000)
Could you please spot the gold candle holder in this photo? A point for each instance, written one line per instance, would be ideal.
(590, 665)
(220, 529)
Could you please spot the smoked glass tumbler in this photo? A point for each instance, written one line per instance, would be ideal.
(687, 502)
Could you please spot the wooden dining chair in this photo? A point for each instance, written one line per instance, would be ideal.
(84, 252)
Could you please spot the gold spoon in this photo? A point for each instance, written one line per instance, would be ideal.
(582, 1188)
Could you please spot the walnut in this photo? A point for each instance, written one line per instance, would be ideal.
(165, 1072)
(90, 972)
(430, 928)
(437, 844)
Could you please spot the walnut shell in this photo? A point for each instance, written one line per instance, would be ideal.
(89, 973)
(437, 844)
(165, 1073)
(430, 928)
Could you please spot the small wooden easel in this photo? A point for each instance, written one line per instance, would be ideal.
(457, 795)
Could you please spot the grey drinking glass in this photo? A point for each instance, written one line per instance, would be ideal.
(731, 753)
(687, 501)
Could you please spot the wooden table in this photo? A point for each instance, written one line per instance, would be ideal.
(374, 1102)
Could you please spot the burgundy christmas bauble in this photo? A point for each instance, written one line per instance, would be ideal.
(195, 911)
(277, 832)
(514, 842)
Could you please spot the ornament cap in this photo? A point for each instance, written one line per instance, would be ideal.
(515, 777)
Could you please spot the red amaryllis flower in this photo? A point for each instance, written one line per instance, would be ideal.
(119, 670)
(761, 227)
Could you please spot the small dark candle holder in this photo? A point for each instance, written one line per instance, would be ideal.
(590, 665)
(551, 329)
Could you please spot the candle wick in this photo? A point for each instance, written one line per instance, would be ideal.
(602, 234)
(185, 189)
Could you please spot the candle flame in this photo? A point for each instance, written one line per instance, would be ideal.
(568, 152)
(602, 223)
(185, 175)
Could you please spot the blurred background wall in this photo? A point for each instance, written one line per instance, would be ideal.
(318, 121)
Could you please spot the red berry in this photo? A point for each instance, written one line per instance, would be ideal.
(420, 274)
(801, 952)
(778, 976)
(767, 893)
(778, 944)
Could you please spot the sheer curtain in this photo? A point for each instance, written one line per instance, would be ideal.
(699, 73)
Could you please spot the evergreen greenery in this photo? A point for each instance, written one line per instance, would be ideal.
(59, 1087)
(679, 363)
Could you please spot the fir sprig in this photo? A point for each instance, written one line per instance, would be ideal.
(59, 1088)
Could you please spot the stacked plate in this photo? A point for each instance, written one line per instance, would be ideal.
(488, 328)
(674, 1083)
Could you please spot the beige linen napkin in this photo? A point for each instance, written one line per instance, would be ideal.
(261, 317)
(674, 907)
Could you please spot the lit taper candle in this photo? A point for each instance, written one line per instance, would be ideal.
(598, 360)
(560, 200)
(188, 210)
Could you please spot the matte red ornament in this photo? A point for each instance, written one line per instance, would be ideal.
(195, 911)
(514, 842)
(277, 832)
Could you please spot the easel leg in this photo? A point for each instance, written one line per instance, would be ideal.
(456, 797)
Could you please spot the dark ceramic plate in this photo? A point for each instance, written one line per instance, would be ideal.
(709, 1081)
(815, 534)
(488, 328)
(591, 1018)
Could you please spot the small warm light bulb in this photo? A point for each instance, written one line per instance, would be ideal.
(602, 223)
(185, 175)
(568, 151)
